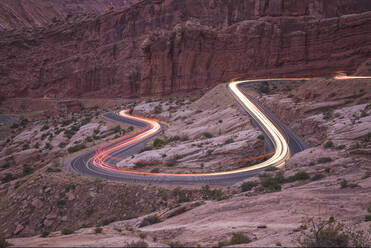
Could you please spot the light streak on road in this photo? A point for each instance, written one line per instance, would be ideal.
(280, 155)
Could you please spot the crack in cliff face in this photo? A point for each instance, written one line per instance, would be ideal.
(227, 37)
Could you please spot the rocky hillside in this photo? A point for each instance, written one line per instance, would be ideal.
(115, 54)
(31, 13)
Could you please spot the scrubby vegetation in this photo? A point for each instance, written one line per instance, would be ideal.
(330, 233)
(236, 239)
(150, 220)
(67, 231)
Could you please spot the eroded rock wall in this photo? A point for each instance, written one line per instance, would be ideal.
(103, 56)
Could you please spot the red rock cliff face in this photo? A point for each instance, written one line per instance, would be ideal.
(103, 57)
(31, 13)
(193, 56)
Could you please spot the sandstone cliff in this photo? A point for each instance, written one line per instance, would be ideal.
(103, 56)
(31, 13)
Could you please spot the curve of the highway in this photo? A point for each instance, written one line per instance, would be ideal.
(102, 162)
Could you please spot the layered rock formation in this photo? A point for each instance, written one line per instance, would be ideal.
(194, 56)
(31, 13)
(103, 56)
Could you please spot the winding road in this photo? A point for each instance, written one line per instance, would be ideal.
(101, 162)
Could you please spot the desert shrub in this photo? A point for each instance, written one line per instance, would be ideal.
(27, 169)
(67, 231)
(4, 243)
(176, 244)
(61, 203)
(261, 137)
(66, 122)
(48, 146)
(155, 170)
(158, 143)
(26, 146)
(76, 148)
(271, 168)
(207, 135)
(340, 147)
(272, 183)
(324, 160)
(300, 175)
(239, 238)
(317, 177)
(184, 138)
(62, 145)
(329, 144)
(45, 127)
(44, 234)
(108, 221)
(8, 177)
(344, 184)
(116, 129)
(209, 194)
(142, 235)
(14, 126)
(158, 109)
(98, 230)
(236, 239)
(264, 88)
(368, 217)
(229, 141)
(85, 121)
(330, 233)
(89, 211)
(137, 244)
(247, 186)
(150, 220)
(89, 139)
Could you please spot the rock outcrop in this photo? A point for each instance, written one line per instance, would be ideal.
(103, 56)
(33, 13)
(193, 56)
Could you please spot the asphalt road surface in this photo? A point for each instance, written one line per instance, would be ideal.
(279, 138)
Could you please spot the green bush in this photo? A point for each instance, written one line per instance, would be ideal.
(261, 137)
(239, 238)
(48, 146)
(150, 220)
(44, 234)
(368, 218)
(229, 141)
(272, 183)
(62, 145)
(45, 127)
(247, 186)
(207, 135)
(27, 170)
(158, 109)
(324, 160)
(14, 126)
(108, 221)
(317, 177)
(329, 144)
(301, 175)
(8, 177)
(89, 139)
(98, 230)
(209, 194)
(67, 231)
(158, 143)
(76, 148)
